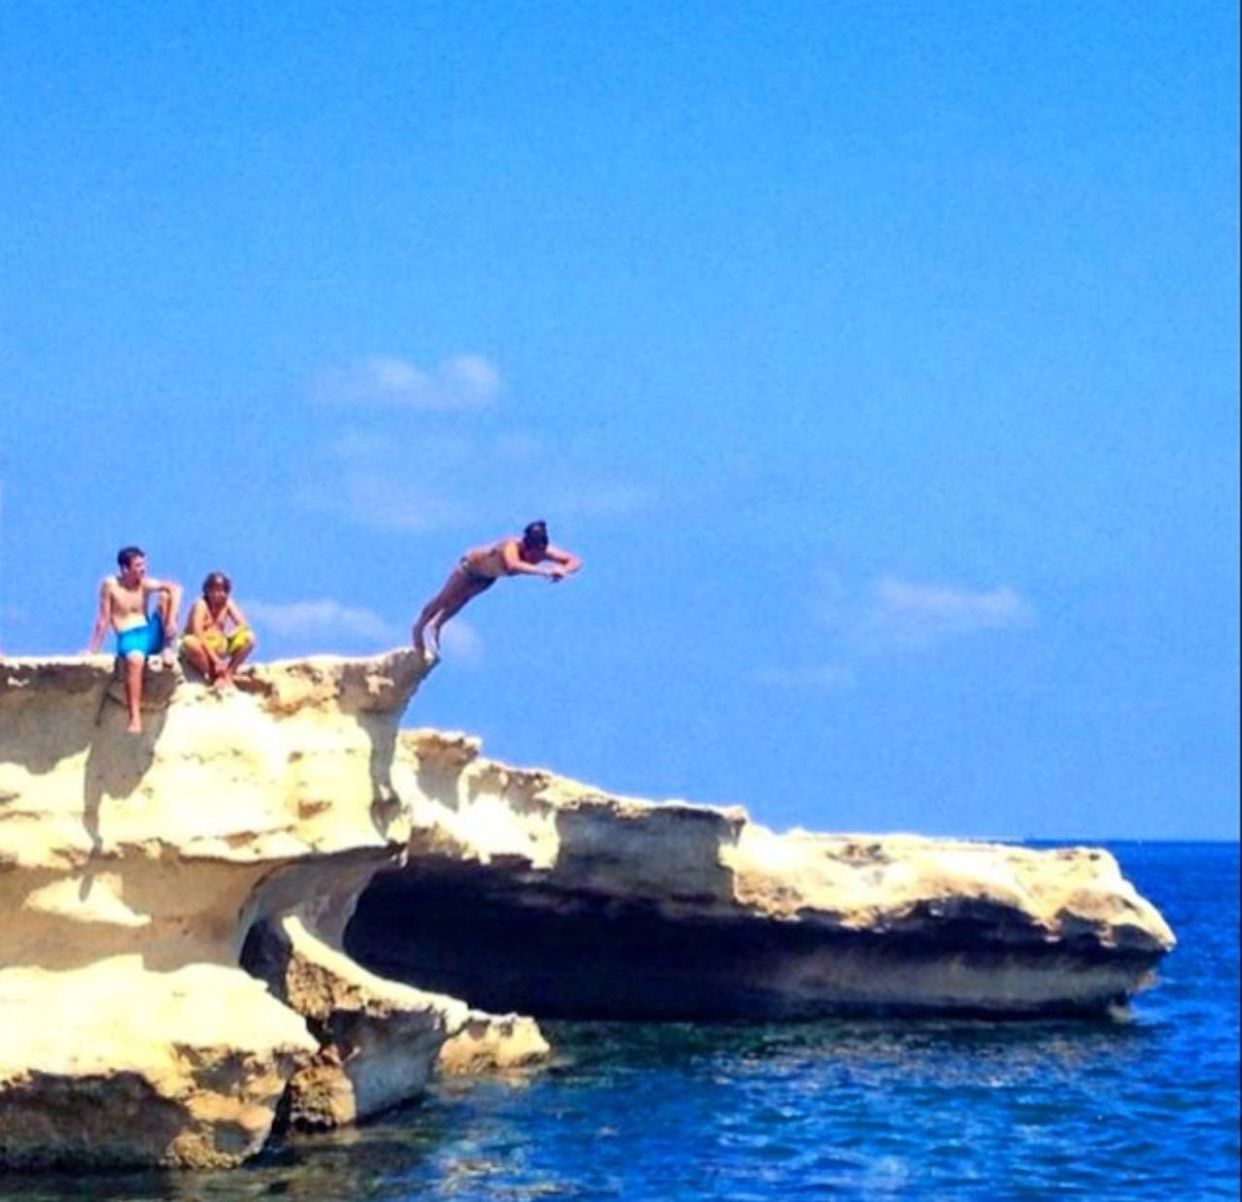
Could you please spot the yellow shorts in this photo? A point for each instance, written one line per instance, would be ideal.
(219, 643)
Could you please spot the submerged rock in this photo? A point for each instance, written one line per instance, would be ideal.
(527, 891)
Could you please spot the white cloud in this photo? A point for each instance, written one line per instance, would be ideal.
(898, 615)
(415, 451)
(461, 383)
(326, 618)
(822, 677)
(462, 644)
(384, 500)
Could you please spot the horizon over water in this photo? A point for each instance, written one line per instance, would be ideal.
(935, 1110)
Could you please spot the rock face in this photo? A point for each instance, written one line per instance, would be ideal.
(133, 870)
(179, 911)
(531, 892)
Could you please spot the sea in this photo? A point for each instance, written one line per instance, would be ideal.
(938, 1110)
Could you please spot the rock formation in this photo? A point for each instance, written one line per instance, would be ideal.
(180, 910)
(137, 874)
(527, 891)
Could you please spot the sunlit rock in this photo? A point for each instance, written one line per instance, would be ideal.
(527, 891)
(132, 869)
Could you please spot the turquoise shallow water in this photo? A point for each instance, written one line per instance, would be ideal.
(853, 1110)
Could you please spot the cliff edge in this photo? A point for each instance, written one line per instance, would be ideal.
(171, 968)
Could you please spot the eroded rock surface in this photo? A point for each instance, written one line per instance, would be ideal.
(527, 891)
(179, 911)
(132, 870)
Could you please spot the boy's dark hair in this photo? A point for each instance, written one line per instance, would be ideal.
(536, 534)
(126, 555)
(217, 578)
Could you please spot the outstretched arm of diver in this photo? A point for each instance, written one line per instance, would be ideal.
(515, 565)
(566, 562)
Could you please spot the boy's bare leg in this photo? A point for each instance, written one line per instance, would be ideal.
(235, 662)
(199, 657)
(134, 662)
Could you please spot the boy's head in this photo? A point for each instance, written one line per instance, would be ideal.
(132, 561)
(216, 587)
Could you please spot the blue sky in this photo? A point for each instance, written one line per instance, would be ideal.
(880, 360)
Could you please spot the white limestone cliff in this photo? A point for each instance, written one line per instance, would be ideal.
(274, 903)
(525, 890)
(132, 871)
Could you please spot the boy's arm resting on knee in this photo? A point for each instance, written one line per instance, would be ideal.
(239, 618)
(173, 591)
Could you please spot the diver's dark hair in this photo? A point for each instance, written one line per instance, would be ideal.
(126, 555)
(536, 532)
(217, 578)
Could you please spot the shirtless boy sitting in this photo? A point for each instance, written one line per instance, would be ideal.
(123, 606)
(217, 637)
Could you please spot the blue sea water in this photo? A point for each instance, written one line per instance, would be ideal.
(940, 1111)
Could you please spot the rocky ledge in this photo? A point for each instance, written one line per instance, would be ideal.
(171, 970)
(527, 891)
(272, 907)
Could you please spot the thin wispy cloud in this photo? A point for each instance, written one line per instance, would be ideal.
(461, 644)
(417, 450)
(320, 619)
(828, 678)
(896, 615)
(385, 499)
(461, 383)
(904, 615)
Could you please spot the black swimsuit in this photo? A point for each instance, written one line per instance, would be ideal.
(478, 579)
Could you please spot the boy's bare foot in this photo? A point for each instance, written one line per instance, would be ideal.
(134, 727)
